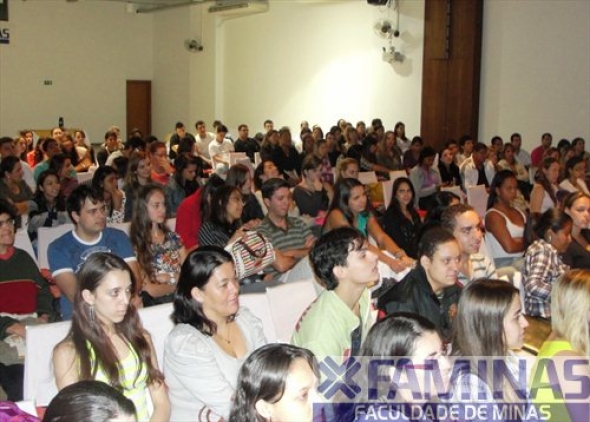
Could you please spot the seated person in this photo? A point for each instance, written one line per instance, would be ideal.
(107, 342)
(543, 264)
(312, 195)
(577, 206)
(193, 210)
(338, 321)
(349, 209)
(401, 221)
(183, 182)
(110, 146)
(430, 289)
(211, 339)
(220, 148)
(67, 253)
(477, 169)
(425, 179)
(465, 224)
(104, 181)
(12, 185)
(161, 168)
(505, 222)
(48, 206)
(24, 299)
(291, 237)
(239, 176)
(347, 168)
(159, 250)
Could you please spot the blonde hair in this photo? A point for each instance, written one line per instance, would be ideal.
(344, 163)
(570, 305)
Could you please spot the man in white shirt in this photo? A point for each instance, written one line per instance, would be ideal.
(465, 224)
(522, 156)
(220, 148)
(477, 170)
(203, 139)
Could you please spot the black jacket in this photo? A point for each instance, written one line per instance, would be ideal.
(414, 294)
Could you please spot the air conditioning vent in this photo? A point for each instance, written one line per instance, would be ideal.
(238, 7)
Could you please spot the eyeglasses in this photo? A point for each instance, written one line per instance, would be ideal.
(9, 223)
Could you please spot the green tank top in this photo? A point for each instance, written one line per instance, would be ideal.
(134, 381)
(540, 392)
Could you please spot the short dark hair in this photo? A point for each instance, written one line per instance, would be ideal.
(135, 142)
(514, 135)
(480, 146)
(431, 239)
(221, 128)
(331, 250)
(7, 165)
(5, 140)
(179, 125)
(110, 133)
(46, 143)
(88, 400)
(199, 123)
(76, 200)
(447, 219)
(272, 185)
(553, 219)
(425, 153)
(464, 139)
(7, 208)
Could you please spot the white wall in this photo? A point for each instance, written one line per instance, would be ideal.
(319, 61)
(314, 60)
(88, 49)
(535, 70)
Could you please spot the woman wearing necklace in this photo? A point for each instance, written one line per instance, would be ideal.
(577, 206)
(105, 182)
(213, 336)
(160, 252)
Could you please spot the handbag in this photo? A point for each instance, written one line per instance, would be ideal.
(251, 254)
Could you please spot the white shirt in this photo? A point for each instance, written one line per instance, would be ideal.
(524, 158)
(203, 143)
(220, 148)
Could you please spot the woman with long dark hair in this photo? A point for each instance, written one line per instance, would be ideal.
(349, 209)
(105, 182)
(12, 185)
(183, 182)
(577, 206)
(414, 346)
(504, 222)
(425, 178)
(107, 342)
(212, 338)
(239, 175)
(543, 195)
(489, 324)
(62, 165)
(160, 251)
(48, 206)
(401, 221)
(276, 383)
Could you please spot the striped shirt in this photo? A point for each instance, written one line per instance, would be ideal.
(481, 267)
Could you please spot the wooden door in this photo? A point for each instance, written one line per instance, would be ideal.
(451, 70)
(139, 106)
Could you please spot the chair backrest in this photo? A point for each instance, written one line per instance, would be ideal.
(367, 177)
(287, 304)
(39, 380)
(397, 174)
(454, 189)
(258, 304)
(156, 320)
(477, 197)
(387, 191)
(517, 282)
(23, 241)
(85, 177)
(45, 236)
(234, 156)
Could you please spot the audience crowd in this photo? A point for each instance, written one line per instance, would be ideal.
(421, 278)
